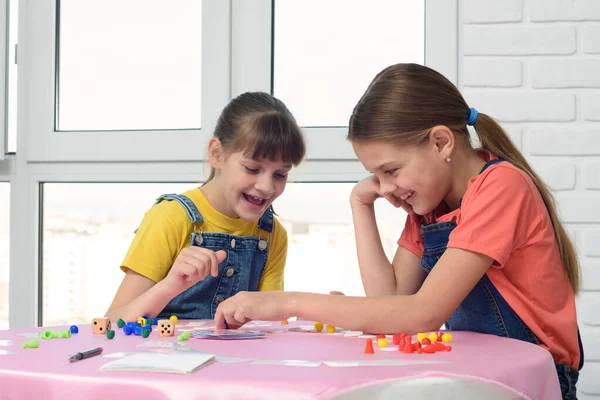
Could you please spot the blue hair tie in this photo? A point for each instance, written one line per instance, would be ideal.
(472, 117)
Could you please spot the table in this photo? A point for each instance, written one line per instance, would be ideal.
(499, 367)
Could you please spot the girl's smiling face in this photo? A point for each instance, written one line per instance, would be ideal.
(419, 175)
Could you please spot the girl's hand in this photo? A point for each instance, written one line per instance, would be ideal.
(247, 306)
(366, 191)
(192, 265)
(336, 293)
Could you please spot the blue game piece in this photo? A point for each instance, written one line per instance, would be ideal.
(145, 316)
(154, 321)
(74, 329)
(128, 330)
(137, 331)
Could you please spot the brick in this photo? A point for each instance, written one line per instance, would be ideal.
(564, 10)
(578, 207)
(519, 40)
(588, 304)
(591, 176)
(590, 336)
(565, 73)
(590, 274)
(590, 106)
(492, 73)
(492, 11)
(566, 141)
(590, 37)
(513, 106)
(559, 175)
(588, 383)
(591, 243)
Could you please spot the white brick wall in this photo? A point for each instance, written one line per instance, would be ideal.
(535, 66)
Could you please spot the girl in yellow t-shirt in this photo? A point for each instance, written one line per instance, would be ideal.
(196, 249)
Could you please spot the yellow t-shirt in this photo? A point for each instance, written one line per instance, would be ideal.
(166, 229)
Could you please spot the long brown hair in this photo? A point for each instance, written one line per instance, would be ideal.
(405, 101)
(262, 127)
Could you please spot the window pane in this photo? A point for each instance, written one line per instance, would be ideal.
(327, 52)
(4, 249)
(87, 230)
(11, 98)
(127, 65)
(321, 245)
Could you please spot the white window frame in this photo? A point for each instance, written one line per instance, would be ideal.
(4, 60)
(237, 41)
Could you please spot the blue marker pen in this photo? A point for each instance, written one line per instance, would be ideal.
(85, 354)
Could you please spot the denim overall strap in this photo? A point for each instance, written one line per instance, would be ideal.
(266, 221)
(188, 205)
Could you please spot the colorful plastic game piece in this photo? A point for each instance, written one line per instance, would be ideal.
(50, 334)
(439, 336)
(318, 326)
(64, 334)
(166, 327)
(100, 325)
(147, 328)
(145, 316)
(330, 328)
(421, 336)
(426, 341)
(183, 336)
(433, 337)
(137, 331)
(396, 339)
(380, 336)
(174, 319)
(110, 334)
(438, 346)
(141, 321)
(120, 323)
(382, 342)
(74, 329)
(428, 349)
(369, 347)
(128, 330)
(32, 344)
(408, 348)
(145, 333)
(416, 346)
(285, 322)
(154, 321)
(446, 338)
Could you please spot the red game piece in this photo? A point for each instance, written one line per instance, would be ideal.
(369, 347)
(380, 336)
(416, 346)
(402, 336)
(408, 349)
(439, 338)
(439, 347)
(396, 339)
(426, 341)
(428, 349)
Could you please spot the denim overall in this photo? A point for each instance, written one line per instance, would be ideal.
(240, 271)
(484, 309)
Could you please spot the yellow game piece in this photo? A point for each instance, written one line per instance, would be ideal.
(446, 338)
(383, 342)
(421, 336)
(330, 328)
(284, 322)
(318, 326)
(433, 337)
(142, 321)
(174, 319)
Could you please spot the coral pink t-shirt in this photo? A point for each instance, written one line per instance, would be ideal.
(503, 216)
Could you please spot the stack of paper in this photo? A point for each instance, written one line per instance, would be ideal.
(175, 363)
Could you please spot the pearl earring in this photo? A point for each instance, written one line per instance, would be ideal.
(448, 159)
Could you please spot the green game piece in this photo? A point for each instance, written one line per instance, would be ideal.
(145, 333)
(50, 334)
(64, 334)
(138, 324)
(120, 323)
(183, 336)
(32, 344)
(110, 334)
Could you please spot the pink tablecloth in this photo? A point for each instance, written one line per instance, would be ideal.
(45, 373)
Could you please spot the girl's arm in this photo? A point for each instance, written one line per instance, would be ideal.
(380, 277)
(138, 296)
(454, 276)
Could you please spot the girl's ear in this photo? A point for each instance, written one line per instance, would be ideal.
(442, 141)
(215, 153)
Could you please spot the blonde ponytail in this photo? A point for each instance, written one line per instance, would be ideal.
(494, 139)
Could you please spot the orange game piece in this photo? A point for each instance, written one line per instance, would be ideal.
(369, 347)
(284, 322)
(428, 349)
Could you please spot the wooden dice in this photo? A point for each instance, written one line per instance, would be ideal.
(100, 326)
(166, 327)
